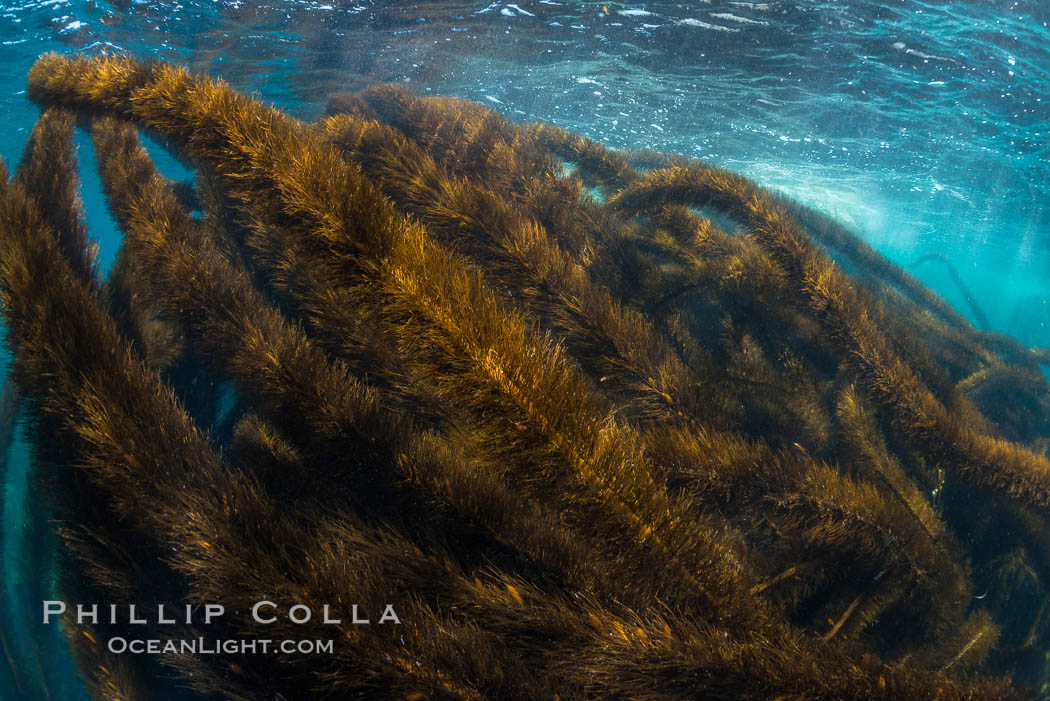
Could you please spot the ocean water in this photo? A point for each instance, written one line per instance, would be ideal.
(923, 126)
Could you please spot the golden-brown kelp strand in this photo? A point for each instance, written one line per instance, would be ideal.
(996, 465)
(26, 244)
(607, 169)
(479, 441)
(946, 355)
(691, 232)
(666, 658)
(525, 169)
(602, 652)
(183, 288)
(48, 171)
(499, 361)
(829, 233)
(343, 323)
(643, 159)
(558, 203)
(95, 568)
(1013, 397)
(156, 470)
(277, 464)
(670, 186)
(587, 650)
(611, 171)
(278, 367)
(38, 328)
(837, 238)
(331, 307)
(187, 195)
(1009, 349)
(348, 103)
(1041, 356)
(512, 163)
(437, 653)
(864, 444)
(814, 513)
(339, 322)
(618, 654)
(464, 214)
(708, 665)
(454, 208)
(778, 396)
(615, 345)
(973, 643)
(470, 138)
(47, 175)
(107, 676)
(431, 277)
(137, 314)
(281, 371)
(612, 254)
(959, 348)
(155, 338)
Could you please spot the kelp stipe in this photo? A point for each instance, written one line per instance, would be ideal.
(589, 445)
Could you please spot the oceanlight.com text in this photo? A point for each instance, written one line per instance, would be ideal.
(203, 646)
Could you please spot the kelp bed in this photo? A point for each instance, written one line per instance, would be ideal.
(597, 424)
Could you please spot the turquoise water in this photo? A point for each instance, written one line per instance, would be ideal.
(922, 125)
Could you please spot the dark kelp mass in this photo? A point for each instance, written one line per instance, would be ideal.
(595, 423)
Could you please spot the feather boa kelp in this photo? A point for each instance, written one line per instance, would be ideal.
(594, 424)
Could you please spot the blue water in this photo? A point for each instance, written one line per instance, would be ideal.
(922, 125)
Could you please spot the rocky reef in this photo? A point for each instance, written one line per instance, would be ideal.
(595, 424)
